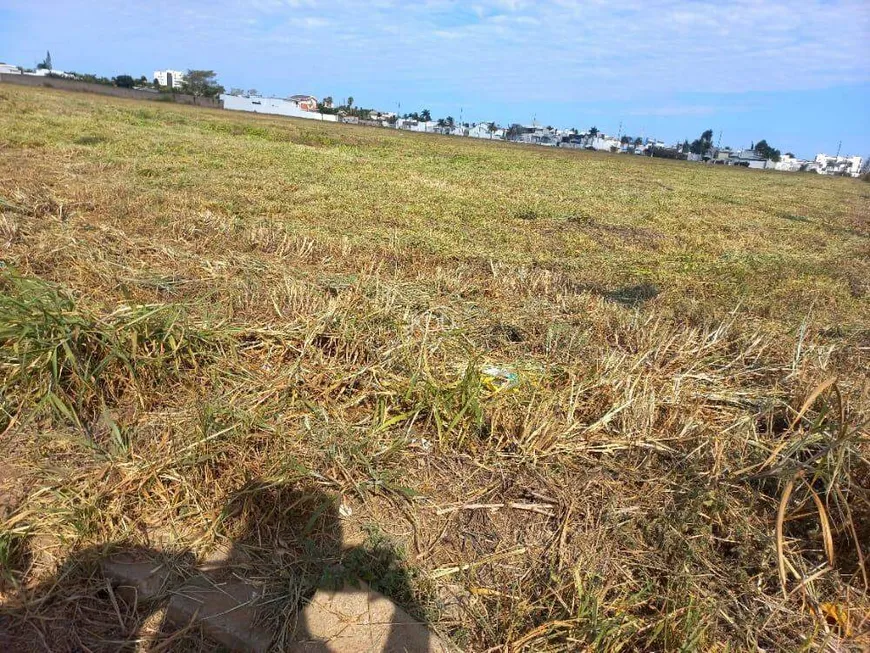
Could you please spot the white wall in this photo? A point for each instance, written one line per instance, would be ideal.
(604, 144)
(275, 106)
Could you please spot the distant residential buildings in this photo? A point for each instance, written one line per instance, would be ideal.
(485, 130)
(307, 106)
(416, 125)
(748, 159)
(790, 163)
(838, 165)
(54, 72)
(169, 78)
(381, 115)
(304, 102)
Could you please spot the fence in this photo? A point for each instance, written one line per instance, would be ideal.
(102, 89)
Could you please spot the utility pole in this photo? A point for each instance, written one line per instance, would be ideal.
(719, 140)
(839, 145)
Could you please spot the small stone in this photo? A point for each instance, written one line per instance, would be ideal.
(138, 577)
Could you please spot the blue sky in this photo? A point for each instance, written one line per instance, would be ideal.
(796, 72)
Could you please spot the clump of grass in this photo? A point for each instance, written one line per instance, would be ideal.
(75, 363)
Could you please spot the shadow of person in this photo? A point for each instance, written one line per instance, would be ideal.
(286, 582)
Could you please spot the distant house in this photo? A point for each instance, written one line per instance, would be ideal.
(535, 135)
(748, 159)
(304, 102)
(838, 165)
(603, 143)
(9, 69)
(170, 78)
(481, 130)
(573, 141)
(45, 72)
(417, 125)
(789, 163)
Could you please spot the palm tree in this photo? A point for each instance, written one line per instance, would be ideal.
(349, 101)
(593, 132)
(425, 115)
(492, 128)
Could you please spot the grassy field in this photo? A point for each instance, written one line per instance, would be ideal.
(204, 314)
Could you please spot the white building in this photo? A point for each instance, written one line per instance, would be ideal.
(9, 69)
(481, 130)
(417, 125)
(749, 159)
(171, 78)
(604, 143)
(45, 72)
(838, 165)
(788, 163)
(275, 106)
(381, 115)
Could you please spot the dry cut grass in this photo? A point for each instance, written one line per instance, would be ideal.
(208, 319)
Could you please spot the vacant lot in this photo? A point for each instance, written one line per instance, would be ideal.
(208, 318)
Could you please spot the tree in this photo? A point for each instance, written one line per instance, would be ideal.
(638, 141)
(514, 132)
(686, 146)
(593, 132)
(45, 64)
(124, 81)
(702, 145)
(625, 140)
(236, 91)
(492, 128)
(767, 151)
(201, 83)
(425, 115)
(327, 102)
(450, 122)
(349, 101)
(142, 81)
(252, 92)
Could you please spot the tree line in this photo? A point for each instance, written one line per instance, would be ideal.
(703, 145)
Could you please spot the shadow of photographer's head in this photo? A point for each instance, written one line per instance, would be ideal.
(284, 539)
(293, 529)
